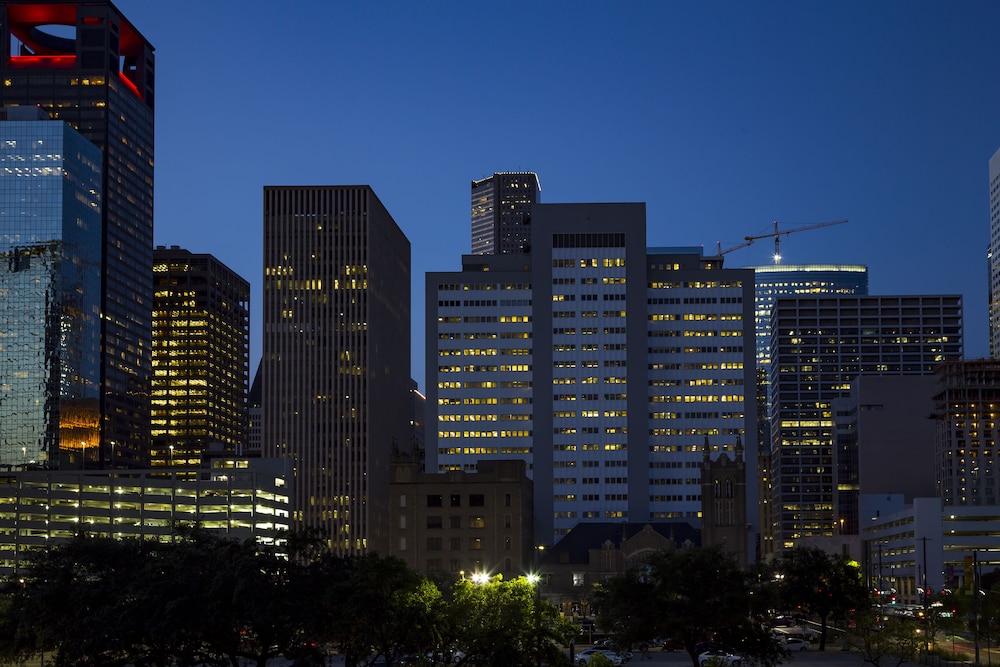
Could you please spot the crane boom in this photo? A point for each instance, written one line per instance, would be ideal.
(777, 234)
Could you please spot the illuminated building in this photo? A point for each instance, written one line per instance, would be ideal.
(818, 346)
(602, 364)
(241, 499)
(201, 341)
(967, 409)
(100, 81)
(501, 213)
(788, 280)
(50, 277)
(336, 368)
(993, 255)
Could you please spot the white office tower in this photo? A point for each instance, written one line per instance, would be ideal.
(602, 364)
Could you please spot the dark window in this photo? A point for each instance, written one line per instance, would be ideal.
(456, 500)
(434, 522)
(477, 500)
(506, 500)
(434, 544)
(434, 501)
(456, 522)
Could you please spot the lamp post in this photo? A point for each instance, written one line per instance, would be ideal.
(535, 580)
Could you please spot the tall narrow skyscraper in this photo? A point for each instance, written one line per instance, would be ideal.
(201, 357)
(501, 213)
(100, 81)
(336, 368)
(993, 254)
(50, 277)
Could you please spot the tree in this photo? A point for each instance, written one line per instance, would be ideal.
(375, 606)
(821, 584)
(506, 624)
(691, 595)
(882, 637)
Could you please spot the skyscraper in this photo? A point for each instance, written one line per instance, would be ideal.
(336, 368)
(993, 254)
(773, 281)
(101, 82)
(201, 343)
(602, 363)
(501, 212)
(819, 345)
(50, 276)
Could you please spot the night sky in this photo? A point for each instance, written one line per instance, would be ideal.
(722, 116)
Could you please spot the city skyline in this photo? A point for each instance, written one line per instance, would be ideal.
(721, 119)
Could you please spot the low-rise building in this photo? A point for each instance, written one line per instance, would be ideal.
(242, 499)
(456, 524)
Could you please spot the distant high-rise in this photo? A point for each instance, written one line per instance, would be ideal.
(50, 281)
(501, 213)
(336, 368)
(993, 254)
(819, 345)
(201, 342)
(100, 81)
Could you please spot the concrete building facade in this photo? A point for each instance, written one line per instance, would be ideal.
(601, 363)
(456, 524)
(336, 366)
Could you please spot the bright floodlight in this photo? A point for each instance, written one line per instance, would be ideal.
(533, 578)
(480, 577)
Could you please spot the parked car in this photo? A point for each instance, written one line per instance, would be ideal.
(583, 657)
(670, 644)
(720, 656)
(795, 644)
(701, 647)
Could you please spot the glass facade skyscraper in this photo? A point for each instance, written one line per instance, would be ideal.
(100, 81)
(50, 258)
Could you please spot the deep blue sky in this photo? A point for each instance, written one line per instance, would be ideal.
(721, 116)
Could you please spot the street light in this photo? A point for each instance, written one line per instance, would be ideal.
(480, 577)
(534, 579)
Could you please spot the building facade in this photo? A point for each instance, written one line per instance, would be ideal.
(993, 255)
(39, 508)
(819, 345)
(201, 357)
(602, 364)
(457, 524)
(50, 281)
(336, 367)
(966, 411)
(101, 82)
(501, 212)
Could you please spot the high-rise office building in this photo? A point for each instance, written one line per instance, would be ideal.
(993, 255)
(967, 407)
(773, 281)
(201, 357)
(819, 345)
(603, 364)
(501, 213)
(50, 281)
(336, 368)
(101, 82)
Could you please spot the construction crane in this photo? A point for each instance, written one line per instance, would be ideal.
(776, 234)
